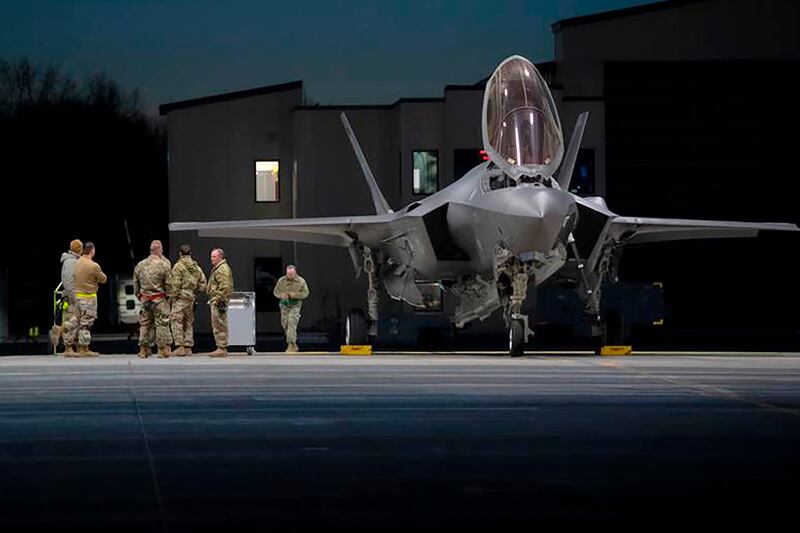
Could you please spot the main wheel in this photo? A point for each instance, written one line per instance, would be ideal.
(516, 338)
(355, 328)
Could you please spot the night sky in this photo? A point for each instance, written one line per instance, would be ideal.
(361, 51)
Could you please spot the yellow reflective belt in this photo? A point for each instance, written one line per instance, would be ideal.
(86, 295)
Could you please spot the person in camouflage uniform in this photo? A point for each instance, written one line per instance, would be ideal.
(219, 289)
(188, 281)
(151, 280)
(88, 275)
(291, 289)
(68, 260)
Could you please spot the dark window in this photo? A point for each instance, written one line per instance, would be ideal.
(425, 171)
(582, 182)
(267, 272)
(465, 159)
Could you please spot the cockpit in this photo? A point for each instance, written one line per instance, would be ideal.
(521, 129)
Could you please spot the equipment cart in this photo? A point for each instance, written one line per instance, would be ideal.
(242, 320)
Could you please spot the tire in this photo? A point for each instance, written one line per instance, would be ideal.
(355, 328)
(615, 331)
(516, 338)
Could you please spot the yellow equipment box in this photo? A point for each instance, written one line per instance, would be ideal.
(351, 349)
(616, 350)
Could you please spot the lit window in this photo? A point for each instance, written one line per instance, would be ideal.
(267, 181)
(426, 172)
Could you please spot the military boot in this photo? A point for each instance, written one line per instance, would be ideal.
(163, 352)
(219, 352)
(295, 347)
(291, 348)
(70, 351)
(84, 351)
(180, 351)
(144, 351)
(187, 350)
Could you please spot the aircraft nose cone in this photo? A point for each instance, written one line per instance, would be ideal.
(545, 211)
(552, 207)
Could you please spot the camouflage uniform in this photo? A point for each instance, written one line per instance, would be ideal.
(297, 288)
(68, 260)
(87, 275)
(220, 287)
(188, 281)
(151, 280)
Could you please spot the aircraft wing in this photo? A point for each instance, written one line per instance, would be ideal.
(640, 230)
(332, 231)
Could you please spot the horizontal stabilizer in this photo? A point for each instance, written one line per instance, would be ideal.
(640, 230)
(333, 231)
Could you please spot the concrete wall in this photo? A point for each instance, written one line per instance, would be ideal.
(212, 149)
(462, 126)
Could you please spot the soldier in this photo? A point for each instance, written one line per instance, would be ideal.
(88, 275)
(151, 279)
(291, 289)
(68, 260)
(188, 281)
(220, 287)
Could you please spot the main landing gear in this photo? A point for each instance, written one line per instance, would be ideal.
(362, 328)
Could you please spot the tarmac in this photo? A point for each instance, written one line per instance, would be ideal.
(399, 441)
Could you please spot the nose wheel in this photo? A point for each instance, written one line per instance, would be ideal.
(512, 277)
(516, 338)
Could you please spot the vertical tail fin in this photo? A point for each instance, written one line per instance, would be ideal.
(565, 174)
(381, 205)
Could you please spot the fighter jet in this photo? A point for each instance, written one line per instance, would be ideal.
(507, 225)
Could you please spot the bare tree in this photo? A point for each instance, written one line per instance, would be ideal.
(23, 83)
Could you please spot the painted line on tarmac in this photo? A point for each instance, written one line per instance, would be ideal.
(150, 459)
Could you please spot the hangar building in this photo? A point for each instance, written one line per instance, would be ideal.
(693, 104)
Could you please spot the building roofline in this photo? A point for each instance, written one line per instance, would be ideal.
(621, 13)
(258, 91)
(225, 97)
(345, 107)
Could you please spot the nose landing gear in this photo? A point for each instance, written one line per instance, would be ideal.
(512, 277)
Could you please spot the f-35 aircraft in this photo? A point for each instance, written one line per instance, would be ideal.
(506, 225)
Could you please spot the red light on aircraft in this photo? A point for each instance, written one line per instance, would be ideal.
(483, 154)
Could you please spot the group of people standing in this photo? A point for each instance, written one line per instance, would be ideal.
(168, 294)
